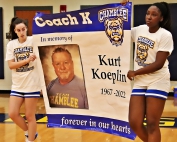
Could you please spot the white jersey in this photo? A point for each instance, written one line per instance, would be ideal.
(146, 47)
(25, 78)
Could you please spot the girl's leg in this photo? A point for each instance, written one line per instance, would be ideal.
(137, 109)
(30, 109)
(154, 111)
(14, 109)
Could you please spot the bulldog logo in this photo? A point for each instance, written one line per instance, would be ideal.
(114, 30)
(22, 56)
(141, 54)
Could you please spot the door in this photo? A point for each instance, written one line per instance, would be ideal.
(28, 14)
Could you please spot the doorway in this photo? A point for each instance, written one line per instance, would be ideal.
(29, 12)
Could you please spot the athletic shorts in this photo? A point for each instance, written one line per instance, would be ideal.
(26, 94)
(158, 90)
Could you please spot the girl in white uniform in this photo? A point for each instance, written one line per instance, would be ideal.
(153, 43)
(25, 79)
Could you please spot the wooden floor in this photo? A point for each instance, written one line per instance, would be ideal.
(9, 132)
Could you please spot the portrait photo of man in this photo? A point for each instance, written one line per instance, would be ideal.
(66, 90)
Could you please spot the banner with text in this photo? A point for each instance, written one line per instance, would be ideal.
(84, 59)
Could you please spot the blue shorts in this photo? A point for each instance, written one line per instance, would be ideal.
(26, 94)
(158, 89)
(149, 92)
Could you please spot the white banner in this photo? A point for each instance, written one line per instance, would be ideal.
(84, 59)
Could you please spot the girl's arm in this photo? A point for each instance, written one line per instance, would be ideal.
(124, 2)
(13, 65)
(158, 64)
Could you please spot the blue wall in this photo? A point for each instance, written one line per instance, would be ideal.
(1, 46)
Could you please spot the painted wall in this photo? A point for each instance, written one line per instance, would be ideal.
(8, 13)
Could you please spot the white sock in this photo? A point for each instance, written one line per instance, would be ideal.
(26, 132)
